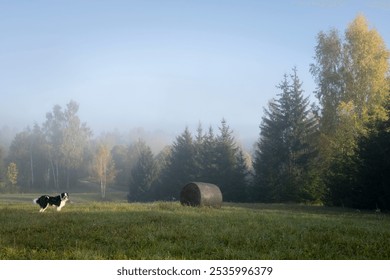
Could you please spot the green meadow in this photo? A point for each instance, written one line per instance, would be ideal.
(89, 229)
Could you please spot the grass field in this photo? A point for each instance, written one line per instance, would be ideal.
(87, 229)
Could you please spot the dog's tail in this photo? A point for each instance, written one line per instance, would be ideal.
(35, 201)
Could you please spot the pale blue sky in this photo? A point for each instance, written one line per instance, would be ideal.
(162, 65)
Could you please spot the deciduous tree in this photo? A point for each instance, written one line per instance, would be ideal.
(352, 88)
(67, 138)
(12, 176)
(103, 168)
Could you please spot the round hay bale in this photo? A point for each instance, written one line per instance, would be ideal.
(201, 194)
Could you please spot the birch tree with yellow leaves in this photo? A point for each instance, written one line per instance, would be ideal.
(352, 82)
(103, 168)
(352, 76)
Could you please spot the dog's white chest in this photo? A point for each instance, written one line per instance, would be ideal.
(62, 204)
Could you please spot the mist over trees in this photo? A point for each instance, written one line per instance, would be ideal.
(334, 152)
(103, 167)
(50, 156)
(206, 157)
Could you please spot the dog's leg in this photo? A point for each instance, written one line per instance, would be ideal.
(62, 204)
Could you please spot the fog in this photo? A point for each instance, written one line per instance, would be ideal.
(148, 70)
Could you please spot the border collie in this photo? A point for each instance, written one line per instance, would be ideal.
(58, 201)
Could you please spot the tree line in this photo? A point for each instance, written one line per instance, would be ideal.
(334, 151)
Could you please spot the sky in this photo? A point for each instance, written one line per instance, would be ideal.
(162, 65)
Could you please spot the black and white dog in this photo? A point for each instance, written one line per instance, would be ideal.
(58, 201)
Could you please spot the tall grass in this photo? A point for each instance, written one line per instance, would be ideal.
(167, 230)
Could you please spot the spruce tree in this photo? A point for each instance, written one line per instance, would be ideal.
(286, 151)
(142, 175)
(226, 162)
(181, 166)
(240, 180)
(206, 156)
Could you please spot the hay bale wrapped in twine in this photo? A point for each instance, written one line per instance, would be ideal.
(201, 194)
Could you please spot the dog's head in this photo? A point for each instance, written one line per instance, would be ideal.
(64, 196)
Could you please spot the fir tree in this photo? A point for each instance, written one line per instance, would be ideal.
(142, 175)
(181, 166)
(206, 159)
(227, 161)
(286, 149)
